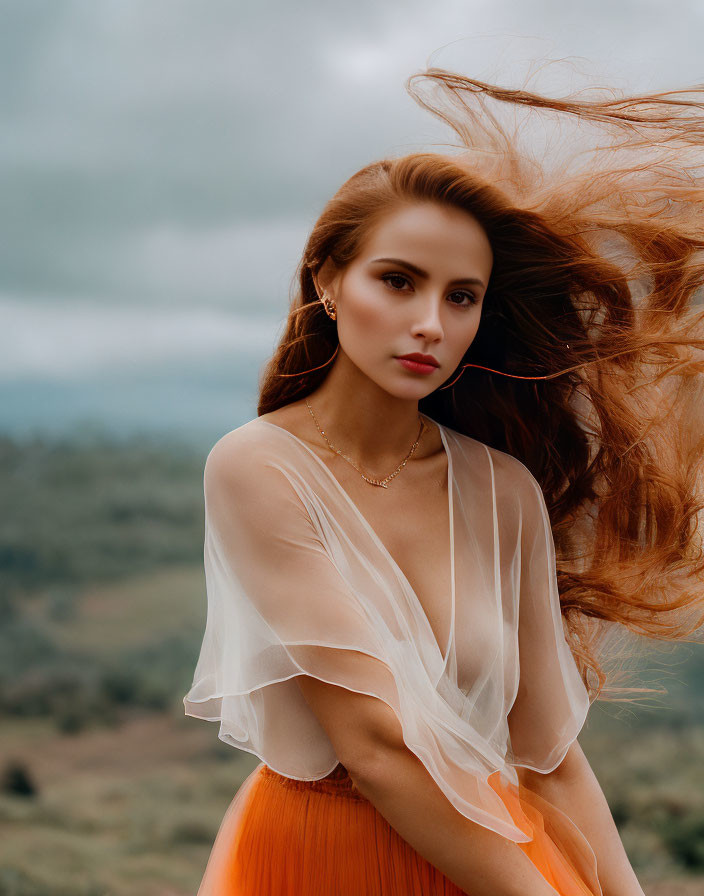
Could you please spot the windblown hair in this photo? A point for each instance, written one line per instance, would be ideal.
(587, 364)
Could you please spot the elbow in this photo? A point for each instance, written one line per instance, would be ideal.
(361, 766)
(363, 729)
(572, 765)
(370, 755)
(382, 770)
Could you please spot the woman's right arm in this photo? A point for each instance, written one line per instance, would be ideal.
(478, 860)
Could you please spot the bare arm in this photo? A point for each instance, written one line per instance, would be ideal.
(369, 742)
(574, 788)
(477, 860)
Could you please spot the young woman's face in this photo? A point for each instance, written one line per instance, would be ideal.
(416, 286)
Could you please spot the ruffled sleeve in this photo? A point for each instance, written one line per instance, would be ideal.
(285, 598)
(277, 608)
(552, 701)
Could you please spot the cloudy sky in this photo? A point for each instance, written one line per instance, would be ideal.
(161, 162)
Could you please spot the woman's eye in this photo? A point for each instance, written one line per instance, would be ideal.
(472, 298)
(388, 278)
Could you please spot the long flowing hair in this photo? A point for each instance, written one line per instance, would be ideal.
(587, 364)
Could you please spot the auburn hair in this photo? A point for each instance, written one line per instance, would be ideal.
(588, 359)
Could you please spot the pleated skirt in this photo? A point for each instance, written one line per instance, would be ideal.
(284, 837)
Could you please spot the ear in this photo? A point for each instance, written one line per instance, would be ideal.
(327, 278)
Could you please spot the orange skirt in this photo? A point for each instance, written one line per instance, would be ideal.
(284, 837)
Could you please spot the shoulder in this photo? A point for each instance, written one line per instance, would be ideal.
(240, 459)
(234, 441)
(230, 450)
(249, 471)
(514, 472)
(507, 469)
(515, 484)
(517, 492)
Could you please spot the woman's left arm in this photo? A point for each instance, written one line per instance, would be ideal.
(574, 788)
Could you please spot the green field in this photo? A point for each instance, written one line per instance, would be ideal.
(108, 789)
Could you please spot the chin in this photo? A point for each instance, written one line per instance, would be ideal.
(413, 392)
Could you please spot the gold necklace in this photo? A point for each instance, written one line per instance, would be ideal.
(371, 481)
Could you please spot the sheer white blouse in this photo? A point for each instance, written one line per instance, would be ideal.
(298, 583)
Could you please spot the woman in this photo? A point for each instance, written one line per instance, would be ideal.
(475, 462)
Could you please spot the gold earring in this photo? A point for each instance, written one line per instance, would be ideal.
(329, 306)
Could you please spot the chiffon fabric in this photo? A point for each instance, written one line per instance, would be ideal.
(299, 583)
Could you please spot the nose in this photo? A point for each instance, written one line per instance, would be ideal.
(427, 323)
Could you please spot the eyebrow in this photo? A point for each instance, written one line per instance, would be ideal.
(421, 273)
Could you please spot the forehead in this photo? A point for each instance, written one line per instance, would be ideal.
(431, 235)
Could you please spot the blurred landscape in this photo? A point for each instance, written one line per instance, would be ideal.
(107, 788)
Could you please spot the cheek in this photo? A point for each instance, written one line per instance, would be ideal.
(461, 337)
(366, 312)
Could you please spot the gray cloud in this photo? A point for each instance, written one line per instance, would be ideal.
(174, 154)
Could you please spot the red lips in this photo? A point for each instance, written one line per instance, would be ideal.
(422, 359)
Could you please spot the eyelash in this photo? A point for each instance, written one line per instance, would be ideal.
(472, 298)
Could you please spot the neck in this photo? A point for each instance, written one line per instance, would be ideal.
(363, 420)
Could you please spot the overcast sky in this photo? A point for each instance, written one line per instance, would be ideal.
(161, 161)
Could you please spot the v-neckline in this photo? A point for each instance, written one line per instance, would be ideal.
(380, 544)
